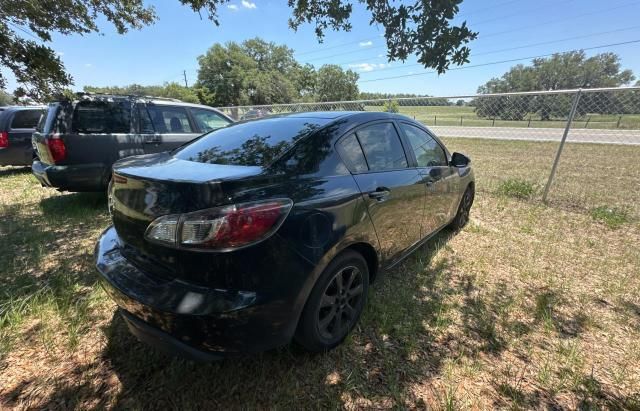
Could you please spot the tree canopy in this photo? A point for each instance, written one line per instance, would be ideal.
(168, 90)
(561, 71)
(422, 28)
(260, 72)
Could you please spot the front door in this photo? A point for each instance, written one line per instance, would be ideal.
(393, 192)
(437, 175)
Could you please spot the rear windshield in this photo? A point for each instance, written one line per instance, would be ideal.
(26, 119)
(102, 117)
(256, 143)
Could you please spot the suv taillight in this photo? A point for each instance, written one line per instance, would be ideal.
(4, 139)
(56, 147)
(220, 228)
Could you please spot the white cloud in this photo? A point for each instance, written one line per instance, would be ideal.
(366, 43)
(59, 53)
(88, 65)
(232, 7)
(380, 55)
(366, 66)
(248, 5)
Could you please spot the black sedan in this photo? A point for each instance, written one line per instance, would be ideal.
(273, 229)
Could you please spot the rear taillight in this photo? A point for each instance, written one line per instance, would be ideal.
(56, 147)
(221, 228)
(4, 139)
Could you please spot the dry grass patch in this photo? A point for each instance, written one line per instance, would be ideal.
(528, 307)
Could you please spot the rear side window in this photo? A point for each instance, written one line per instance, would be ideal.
(26, 119)
(208, 120)
(169, 119)
(427, 151)
(382, 148)
(352, 154)
(102, 117)
(47, 121)
(144, 120)
(250, 144)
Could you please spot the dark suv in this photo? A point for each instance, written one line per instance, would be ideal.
(78, 141)
(16, 126)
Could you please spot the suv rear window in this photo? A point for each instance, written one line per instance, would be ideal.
(102, 117)
(250, 144)
(26, 119)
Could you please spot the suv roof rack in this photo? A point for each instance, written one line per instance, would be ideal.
(131, 96)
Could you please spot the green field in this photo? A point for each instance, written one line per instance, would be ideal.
(530, 306)
(466, 116)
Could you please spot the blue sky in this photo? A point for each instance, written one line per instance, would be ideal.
(159, 53)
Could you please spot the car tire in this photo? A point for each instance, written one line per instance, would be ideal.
(335, 303)
(462, 216)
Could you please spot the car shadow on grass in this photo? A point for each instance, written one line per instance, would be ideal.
(399, 346)
(12, 171)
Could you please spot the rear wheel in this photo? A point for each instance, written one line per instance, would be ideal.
(462, 216)
(335, 303)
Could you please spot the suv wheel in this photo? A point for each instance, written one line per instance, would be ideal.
(335, 303)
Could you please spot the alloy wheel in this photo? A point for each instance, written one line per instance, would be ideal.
(341, 303)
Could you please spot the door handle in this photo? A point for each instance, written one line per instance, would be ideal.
(380, 194)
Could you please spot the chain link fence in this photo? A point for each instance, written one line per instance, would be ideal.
(575, 148)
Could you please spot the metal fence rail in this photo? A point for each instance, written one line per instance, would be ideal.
(527, 140)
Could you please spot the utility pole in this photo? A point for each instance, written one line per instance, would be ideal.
(184, 72)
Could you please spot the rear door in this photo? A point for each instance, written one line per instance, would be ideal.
(173, 127)
(438, 177)
(20, 127)
(391, 187)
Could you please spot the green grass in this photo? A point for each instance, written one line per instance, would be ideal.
(530, 306)
(612, 217)
(523, 190)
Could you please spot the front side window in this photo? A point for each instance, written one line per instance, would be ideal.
(26, 119)
(169, 119)
(382, 147)
(427, 151)
(102, 117)
(208, 120)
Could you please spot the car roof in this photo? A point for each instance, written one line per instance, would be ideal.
(8, 109)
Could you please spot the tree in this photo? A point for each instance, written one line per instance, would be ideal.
(168, 90)
(422, 28)
(460, 103)
(6, 99)
(259, 72)
(336, 84)
(253, 72)
(561, 71)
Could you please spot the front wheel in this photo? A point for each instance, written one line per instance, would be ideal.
(462, 216)
(335, 303)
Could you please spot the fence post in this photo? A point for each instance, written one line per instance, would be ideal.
(529, 123)
(572, 113)
(435, 120)
(619, 120)
(586, 125)
(493, 123)
(460, 120)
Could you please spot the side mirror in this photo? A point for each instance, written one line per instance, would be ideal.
(459, 160)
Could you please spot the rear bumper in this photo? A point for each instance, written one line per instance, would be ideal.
(197, 322)
(83, 177)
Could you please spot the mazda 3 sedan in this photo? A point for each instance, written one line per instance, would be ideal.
(271, 230)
